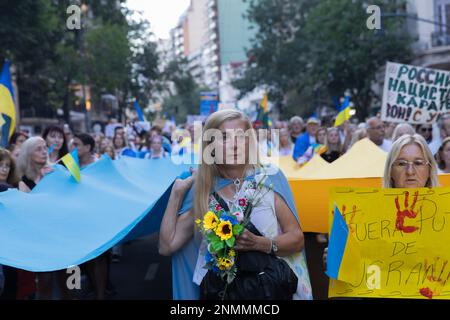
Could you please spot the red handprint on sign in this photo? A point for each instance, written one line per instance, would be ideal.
(352, 216)
(406, 213)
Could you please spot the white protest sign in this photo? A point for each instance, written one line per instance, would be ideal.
(414, 94)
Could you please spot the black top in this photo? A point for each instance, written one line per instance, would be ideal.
(5, 186)
(30, 183)
(330, 157)
(293, 139)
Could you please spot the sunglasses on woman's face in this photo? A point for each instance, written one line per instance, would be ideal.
(426, 129)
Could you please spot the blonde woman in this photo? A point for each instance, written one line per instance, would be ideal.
(274, 217)
(409, 164)
(333, 145)
(286, 145)
(33, 165)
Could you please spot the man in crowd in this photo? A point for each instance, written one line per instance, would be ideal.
(305, 140)
(86, 146)
(444, 132)
(295, 127)
(376, 133)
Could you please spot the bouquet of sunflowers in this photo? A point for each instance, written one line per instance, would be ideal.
(220, 226)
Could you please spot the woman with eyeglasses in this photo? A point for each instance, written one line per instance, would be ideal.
(426, 131)
(409, 164)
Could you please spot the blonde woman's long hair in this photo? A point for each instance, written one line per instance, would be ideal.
(327, 143)
(24, 164)
(207, 173)
(405, 140)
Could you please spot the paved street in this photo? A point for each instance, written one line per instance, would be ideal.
(142, 274)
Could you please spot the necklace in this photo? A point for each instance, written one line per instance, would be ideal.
(237, 184)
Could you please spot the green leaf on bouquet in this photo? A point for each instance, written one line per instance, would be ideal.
(217, 245)
(212, 236)
(238, 229)
(230, 242)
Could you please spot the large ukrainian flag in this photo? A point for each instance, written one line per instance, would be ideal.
(7, 109)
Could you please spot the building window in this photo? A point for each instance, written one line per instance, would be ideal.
(442, 16)
(441, 36)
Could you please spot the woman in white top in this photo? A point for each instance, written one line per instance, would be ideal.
(272, 216)
(156, 150)
(286, 145)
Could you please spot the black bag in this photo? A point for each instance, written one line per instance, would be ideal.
(260, 276)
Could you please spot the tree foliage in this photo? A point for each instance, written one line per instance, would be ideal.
(308, 51)
(51, 59)
(184, 92)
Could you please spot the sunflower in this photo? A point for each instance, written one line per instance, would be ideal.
(224, 230)
(210, 221)
(224, 263)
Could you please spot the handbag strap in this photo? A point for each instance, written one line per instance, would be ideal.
(222, 202)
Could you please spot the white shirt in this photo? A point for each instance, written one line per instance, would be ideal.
(435, 145)
(264, 218)
(386, 145)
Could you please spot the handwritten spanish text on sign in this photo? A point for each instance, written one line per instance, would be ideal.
(403, 238)
(414, 94)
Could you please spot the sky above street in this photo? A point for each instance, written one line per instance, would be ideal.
(162, 14)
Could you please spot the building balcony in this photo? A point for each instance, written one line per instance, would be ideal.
(437, 57)
(212, 14)
(212, 4)
(439, 39)
(212, 25)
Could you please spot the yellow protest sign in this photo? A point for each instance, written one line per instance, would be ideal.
(403, 238)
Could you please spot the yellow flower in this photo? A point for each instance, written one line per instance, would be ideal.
(224, 263)
(224, 230)
(232, 253)
(210, 221)
(198, 221)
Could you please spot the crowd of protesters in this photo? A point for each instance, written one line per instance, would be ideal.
(26, 160)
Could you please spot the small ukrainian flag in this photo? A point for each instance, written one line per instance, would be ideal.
(343, 112)
(70, 160)
(343, 251)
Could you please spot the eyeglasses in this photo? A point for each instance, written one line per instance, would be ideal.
(377, 127)
(5, 166)
(416, 164)
(426, 129)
